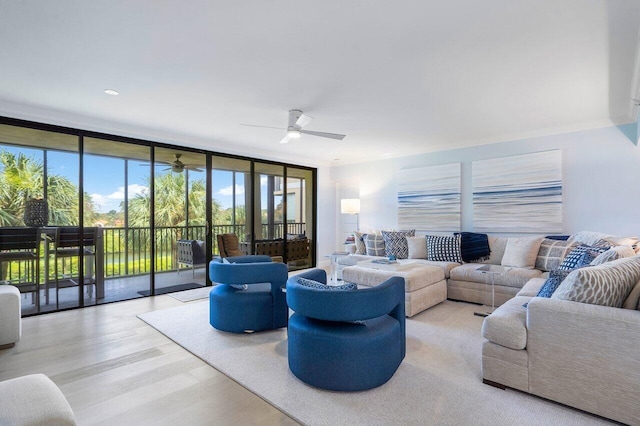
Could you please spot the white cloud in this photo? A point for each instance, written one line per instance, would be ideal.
(228, 190)
(108, 202)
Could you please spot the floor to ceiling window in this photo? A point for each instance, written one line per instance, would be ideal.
(89, 218)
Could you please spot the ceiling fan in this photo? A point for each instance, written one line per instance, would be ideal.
(178, 166)
(297, 120)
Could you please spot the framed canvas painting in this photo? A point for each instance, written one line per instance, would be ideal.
(429, 198)
(521, 193)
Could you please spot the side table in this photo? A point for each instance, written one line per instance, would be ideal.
(491, 271)
(334, 266)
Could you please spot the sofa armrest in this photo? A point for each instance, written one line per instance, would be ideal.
(585, 356)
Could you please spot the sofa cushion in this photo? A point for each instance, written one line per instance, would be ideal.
(507, 325)
(374, 244)
(608, 284)
(511, 277)
(532, 287)
(417, 247)
(552, 252)
(474, 246)
(443, 248)
(633, 300)
(446, 267)
(497, 245)
(614, 253)
(395, 243)
(581, 255)
(358, 238)
(521, 252)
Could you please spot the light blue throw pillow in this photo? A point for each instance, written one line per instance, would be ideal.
(319, 286)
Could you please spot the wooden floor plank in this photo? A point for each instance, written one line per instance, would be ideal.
(115, 369)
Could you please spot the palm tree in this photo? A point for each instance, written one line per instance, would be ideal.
(22, 178)
(169, 204)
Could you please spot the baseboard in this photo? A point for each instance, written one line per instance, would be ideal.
(494, 384)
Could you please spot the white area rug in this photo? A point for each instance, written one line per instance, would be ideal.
(190, 295)
(439, 382)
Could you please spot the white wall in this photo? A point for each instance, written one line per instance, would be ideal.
(601, 180)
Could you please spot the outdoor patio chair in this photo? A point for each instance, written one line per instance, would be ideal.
(191, 253)
(19, 253)
(228, 245)
(68, 245)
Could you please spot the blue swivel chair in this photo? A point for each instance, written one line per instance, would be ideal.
(347, 340)
(249, 295)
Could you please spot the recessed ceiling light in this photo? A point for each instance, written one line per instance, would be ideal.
(111, 92)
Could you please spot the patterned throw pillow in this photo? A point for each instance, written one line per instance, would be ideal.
(395, 243)
(608, 284)
(443, 249)
(319, 286)
(552, 283)
(359, 240)
(577, 256)
(374, 244)
(552, 253)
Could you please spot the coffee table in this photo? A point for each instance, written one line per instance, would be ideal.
(425, 285)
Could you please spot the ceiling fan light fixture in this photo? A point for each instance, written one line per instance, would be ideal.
(293, 133)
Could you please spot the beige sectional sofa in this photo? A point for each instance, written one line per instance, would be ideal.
(466, 283)
(568, 348)
(579, 354)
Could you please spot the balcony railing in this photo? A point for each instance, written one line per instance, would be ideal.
(127, 251)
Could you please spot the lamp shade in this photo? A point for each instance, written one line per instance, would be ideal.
(350, 206)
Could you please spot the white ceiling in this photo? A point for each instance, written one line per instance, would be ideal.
(397, 77)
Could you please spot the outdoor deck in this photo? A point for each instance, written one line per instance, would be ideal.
(115, 289)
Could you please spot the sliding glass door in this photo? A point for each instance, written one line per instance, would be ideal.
(231, 200)
(116, 185)
(180, 220)
(88, 218)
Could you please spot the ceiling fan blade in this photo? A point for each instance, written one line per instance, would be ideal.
(323, 134)
(266, 127)
(286, 139)
(303, 120)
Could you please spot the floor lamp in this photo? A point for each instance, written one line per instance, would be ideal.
(351, 206)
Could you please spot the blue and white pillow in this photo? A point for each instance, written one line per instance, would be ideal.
(576, 256)
(395, 243)
(374, 244)
(553, 282)
(319, 286)
(444, 248)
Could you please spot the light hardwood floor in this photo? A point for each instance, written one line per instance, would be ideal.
(116, 370)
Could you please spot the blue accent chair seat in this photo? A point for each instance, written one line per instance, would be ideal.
(347, 340)
(249, 295)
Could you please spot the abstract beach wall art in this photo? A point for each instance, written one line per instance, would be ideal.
(521, 193)
(429, 198)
